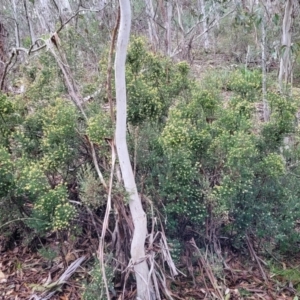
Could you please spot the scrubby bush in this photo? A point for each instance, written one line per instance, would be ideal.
(197, 149)
(219, 162)
(152, 83)
(95, 287)
(39, 149)
(245, 83)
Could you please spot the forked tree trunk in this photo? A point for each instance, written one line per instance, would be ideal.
(285, 60)
(144, 290)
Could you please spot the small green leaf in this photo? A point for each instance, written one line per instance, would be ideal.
(276, 19)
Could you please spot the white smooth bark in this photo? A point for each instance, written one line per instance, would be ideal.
(216, 13)
(29, 21)
(101, 4)
(179, 19)
(285, 60)
(151, 25)
(263, 66)
(205, 26)
(17, 37)
(168, 27)
(144, 290)
(45, 15)
(64, 9)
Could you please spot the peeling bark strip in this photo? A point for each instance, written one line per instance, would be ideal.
(144, 285)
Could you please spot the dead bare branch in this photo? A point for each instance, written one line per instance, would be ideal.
(256, 258)
(207, 269)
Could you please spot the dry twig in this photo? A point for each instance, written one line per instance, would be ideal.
(256, 258)
(55, 286)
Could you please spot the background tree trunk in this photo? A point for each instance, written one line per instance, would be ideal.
(45, 15)
(285, 60)
(263, 66)
(29, 19)
(17, 34)
(151, 25)
(3, 55)
(205, 26)
(168, 27)
(64, 8)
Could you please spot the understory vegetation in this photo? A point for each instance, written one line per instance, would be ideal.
(217, 179)
(200, 152)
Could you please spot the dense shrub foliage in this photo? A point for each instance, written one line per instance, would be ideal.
(34, 165)
(199, 151)
(219, 163)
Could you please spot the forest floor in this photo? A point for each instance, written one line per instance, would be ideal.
(26, 273)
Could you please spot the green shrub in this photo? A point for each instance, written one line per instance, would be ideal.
(245, 83)
(99, 128)
(91, 190)
(95, 288)
(6, 176)
(229, 165)
(40, 144)
(152, 83)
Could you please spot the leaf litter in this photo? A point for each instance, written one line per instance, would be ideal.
(26, 274)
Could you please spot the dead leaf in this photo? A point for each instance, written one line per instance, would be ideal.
(70, 257)
(283, 266)
(2, 277)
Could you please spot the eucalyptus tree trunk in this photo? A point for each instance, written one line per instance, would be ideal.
(3, 55)
(151, 25)
(64, 9)
(216, 13)
(29, 21)
(45, 14)
(205, 27)
(285, 60)
(101, 4)
(17, 33)
(263, 66)
(168, 28)
(179, 20)
(144, 286)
